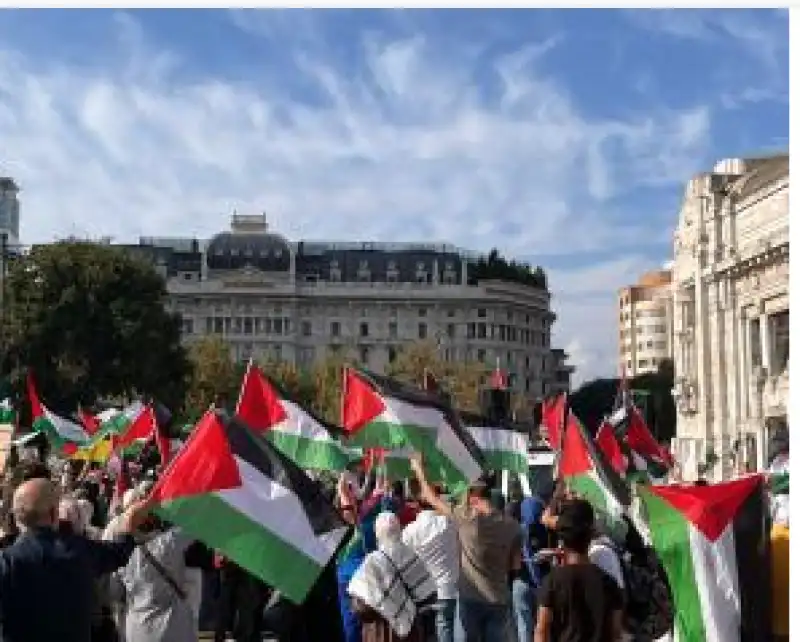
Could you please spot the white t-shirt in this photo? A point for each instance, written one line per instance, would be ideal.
(606, 559)
(434, 539)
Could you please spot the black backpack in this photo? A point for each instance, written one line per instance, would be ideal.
(649, 608)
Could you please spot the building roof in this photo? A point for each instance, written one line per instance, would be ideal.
(234, 251)
(761, 172)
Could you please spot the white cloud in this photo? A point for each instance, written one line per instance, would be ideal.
(408, 147)
(585, 302)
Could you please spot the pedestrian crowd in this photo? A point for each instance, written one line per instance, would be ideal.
(83, 561)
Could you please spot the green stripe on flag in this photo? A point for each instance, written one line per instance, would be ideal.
(263, 553)
(315, 454)
(669, 531)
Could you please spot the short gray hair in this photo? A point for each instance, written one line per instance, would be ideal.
(387, 528)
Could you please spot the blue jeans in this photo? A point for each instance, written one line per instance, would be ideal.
(350, 622)
(523, 599)
(482, 622)
(445, 620)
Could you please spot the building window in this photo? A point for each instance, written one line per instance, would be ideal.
(188, 326)
(363, 354)
(481, 330)
(336, 329)
(470, 331)
(306, 328)
(248, 325)
(363, 329)
(392, 274)
(363, 272)
(642, 363)
(392, 352)
(780, 341)
(451, 330)
(755, 343)
(481, 355)
(481, 313)
(451, 313)
(422, 273)
(423, 312)
(392, 329)
(422, 330)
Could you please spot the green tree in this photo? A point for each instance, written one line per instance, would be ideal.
(326, 377)
(296, 382)
(90, 321)
(463, 380)
(594, 400)
(215, 378)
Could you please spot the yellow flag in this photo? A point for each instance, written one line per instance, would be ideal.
(98, 452)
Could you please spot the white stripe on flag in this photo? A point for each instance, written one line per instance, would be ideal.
(717, 583)
(300, 423)
(278, 510)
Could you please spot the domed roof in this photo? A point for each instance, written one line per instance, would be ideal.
(235, 251)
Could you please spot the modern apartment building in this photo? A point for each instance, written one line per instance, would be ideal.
(645, 323)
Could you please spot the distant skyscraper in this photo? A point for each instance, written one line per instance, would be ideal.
(9, 210)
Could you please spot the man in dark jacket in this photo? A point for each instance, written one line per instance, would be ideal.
(47, 577)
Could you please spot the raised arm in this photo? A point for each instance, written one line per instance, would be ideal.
(426, 492)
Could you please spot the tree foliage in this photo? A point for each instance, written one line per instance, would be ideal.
(495, 266)
(463, 380)
(214, 378)
(594, 400)
(90, 321)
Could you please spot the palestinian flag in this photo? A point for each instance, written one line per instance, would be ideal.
(393, 464)
(8, 417)
(132, 428)
(305, 439)
(91, 423)
(64, 435)
(608, 444)
(378, 412)
(232, 490)
(647, 460)
(503, 447)
(554, 414)
(713, 542)
(587, 473)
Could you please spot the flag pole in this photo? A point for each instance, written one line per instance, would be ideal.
(241, 388)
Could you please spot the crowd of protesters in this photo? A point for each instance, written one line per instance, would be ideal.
(84, 560)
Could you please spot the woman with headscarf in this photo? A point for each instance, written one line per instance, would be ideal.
(391, 588)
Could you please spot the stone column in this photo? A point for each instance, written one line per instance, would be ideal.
(733, 352)
(719, 365)
(766, 345)
(744, 362)
(700, 373)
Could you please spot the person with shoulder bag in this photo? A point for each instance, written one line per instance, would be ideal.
(157, 607)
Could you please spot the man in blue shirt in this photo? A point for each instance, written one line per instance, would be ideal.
(47, 577)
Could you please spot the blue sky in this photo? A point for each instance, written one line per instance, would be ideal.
(562, 137)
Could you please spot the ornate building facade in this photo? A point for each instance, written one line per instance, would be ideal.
(268, 297)
(731, 316)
